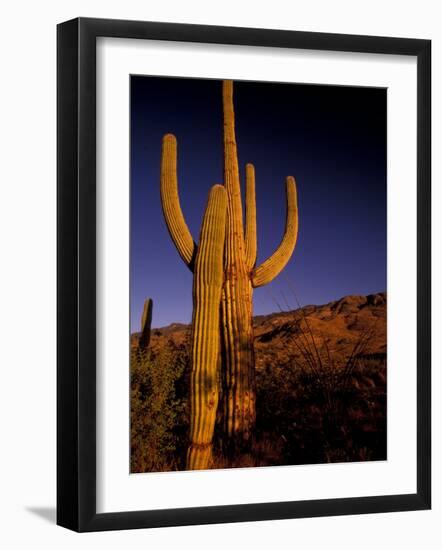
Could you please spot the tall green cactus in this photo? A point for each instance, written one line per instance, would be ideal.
(234, 306)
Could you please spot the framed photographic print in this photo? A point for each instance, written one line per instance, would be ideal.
(243, 274)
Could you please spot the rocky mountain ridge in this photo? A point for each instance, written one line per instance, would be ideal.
(336, 327)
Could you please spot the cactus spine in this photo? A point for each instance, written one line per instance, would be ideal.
(233, 302)
(146, 321)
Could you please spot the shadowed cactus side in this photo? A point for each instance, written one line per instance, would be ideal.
(239, 277)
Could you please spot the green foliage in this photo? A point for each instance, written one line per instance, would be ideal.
(158, 408)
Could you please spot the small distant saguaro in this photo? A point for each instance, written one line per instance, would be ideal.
(146, 321)
(225, 273)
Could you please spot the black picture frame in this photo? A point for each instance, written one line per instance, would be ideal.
(76, 274)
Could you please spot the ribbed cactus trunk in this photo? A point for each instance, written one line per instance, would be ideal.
(237, 309)
(207, 285)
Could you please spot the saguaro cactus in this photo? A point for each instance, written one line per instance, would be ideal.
(240, 276)
(236, 306)
(207, 285)
(146, 321)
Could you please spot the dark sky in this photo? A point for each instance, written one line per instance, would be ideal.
(332, 139)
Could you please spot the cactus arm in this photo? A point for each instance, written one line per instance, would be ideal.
(250, 232)
(207, 287)
(146, 321)
(170, 201)
(269, 269)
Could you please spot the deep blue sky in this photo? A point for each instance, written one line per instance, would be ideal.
(332, 139)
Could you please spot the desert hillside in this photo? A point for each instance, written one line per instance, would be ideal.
(338, 325)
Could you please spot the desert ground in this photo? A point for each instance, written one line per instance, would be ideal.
(320, 379)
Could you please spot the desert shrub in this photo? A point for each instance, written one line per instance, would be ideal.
(307, 423)
(277, 411)
(317, 408)
(158, 408)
